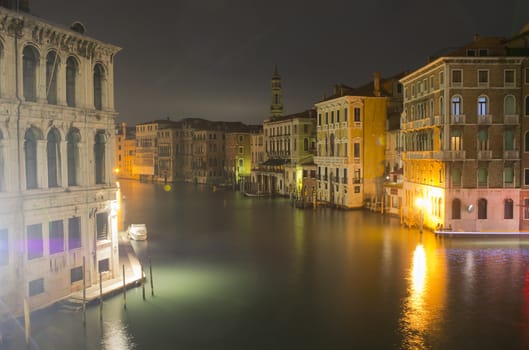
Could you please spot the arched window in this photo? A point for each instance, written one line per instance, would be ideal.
(456, 209)
(508, 209)
(482, 208)
(71, 78)
(30, 157)
(29, 73)
(99, 157)
(332, 145)
(527, 106)
(483, 105)
(53, 157)
(99, 77)
(509, 105)
(52, 64)
(72, 150)
(457, 103)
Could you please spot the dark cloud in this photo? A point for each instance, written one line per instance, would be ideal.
(214, 58)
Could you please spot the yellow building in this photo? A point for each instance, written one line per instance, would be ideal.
(125, 152)
(239, 156)
(350, 154)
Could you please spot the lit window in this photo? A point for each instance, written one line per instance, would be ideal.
(482, 105)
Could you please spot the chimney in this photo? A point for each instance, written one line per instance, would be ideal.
(376, 84)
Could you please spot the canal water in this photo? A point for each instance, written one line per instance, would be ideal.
(232, 272)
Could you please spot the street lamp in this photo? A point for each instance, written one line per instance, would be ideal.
(419, 202)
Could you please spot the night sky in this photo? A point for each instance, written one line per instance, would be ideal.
(214, 59)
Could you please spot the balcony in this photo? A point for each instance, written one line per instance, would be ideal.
(513, 119)
(438, 120)
(344, 180)
(485, 119)
(457, 119)
(357, 180)
(418, 155)
(485, 155)
(449, 155)
(511, 154)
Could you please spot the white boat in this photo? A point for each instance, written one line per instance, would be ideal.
(137, 232)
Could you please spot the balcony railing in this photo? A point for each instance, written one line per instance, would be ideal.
(438, 120)
(344, 180)
(357, 180)
(485, 155)
(457, 119)
(449, 155)
(512, 119)
(485, 119)
(418, 155)
(511, 154)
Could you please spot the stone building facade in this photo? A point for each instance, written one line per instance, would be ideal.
(351, 137)
(57, 187)
(463, 136)
(125, 152)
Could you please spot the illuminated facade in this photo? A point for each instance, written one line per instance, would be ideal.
(239, 156)
(289, 144)
(351, 137)
(125, 152)
(57, 186)
(463, 137)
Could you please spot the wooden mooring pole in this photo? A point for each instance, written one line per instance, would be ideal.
(150, 273)
(124, 289)
(84, 291)
(27, 320)
(142, 283)
(100, 295)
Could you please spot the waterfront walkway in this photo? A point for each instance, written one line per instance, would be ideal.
(127, 258)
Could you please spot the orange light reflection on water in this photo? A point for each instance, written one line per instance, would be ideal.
(425, 303)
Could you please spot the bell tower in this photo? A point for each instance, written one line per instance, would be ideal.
(276, 107)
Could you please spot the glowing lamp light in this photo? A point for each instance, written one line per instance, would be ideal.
(419, 202)
(116, 170)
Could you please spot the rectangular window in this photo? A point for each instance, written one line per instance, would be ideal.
(332, 117)
(102, 226)
(431, 83)
(356, 150)
(471, 52)
(103, 265)
(56, 237)
(35, 243)
(74, 233)
(457, 77)
(526, 177)
(345, 114)
(483, 77)
(357, 189)
(76, 274)
(526, 208)
(36, 287)
(4, 247)
(483, 52)
(527, 75)
(241, 150)
(508, 175)
(441, 78)
(357, 114)
(509, 77)
(319, 120)
(338, 116)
